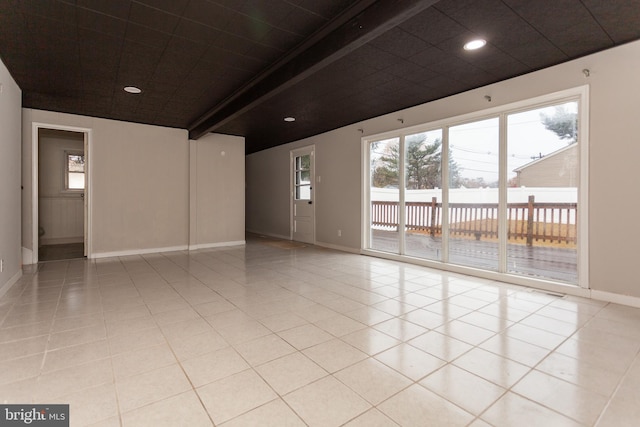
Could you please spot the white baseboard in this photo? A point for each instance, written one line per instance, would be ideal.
(5, 288)
(166, 249)
(27, 259)
(138, 252)
(217, 245)
(616, 298)
(338, 248)
(27, 256)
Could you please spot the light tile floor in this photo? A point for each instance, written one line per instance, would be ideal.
(275, 336)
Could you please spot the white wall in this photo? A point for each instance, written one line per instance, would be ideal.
(614, 152)
(60, 212)
(217, 191)
(138, 183)
(337, 189)
(267, 192)
(139, 186)
(10, 102)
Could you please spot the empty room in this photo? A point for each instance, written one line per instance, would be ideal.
(319, 213)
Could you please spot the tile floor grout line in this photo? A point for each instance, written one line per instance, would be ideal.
(244, 270)
(617, 388)
(533, 368)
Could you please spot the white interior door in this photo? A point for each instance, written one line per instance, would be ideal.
(302, 195)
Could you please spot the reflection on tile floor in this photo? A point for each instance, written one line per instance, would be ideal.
(284, 336)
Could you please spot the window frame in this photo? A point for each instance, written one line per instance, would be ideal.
(66, 188)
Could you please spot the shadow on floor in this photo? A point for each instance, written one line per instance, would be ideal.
(60, 252)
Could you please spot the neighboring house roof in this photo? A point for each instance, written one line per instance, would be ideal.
(546, 158)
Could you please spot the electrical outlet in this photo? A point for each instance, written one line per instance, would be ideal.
(339, 233)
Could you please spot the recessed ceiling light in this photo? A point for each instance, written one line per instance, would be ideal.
(289, 119)
(475, 44)
(132, 89)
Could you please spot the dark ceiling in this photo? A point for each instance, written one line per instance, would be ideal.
(240, 66)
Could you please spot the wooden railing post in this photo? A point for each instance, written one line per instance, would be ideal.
(434, 202)
(530, 221)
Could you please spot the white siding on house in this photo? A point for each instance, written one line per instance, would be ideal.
(559, 169)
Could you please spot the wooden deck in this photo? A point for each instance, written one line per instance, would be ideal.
(537, 261)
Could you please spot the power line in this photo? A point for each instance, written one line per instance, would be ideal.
(490, 153)
(473, 160)
(477, 170)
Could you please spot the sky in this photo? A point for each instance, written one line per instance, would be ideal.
(474, 146)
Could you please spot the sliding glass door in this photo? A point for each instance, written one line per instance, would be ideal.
(542, 198)
(499, 193)
(423, 194)
(473, 194)
(385, 195)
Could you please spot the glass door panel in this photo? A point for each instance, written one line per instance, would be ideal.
(302, 182)
(303, 211)
(385, 195)
(473, 194)
(542, 146)
(423, 195)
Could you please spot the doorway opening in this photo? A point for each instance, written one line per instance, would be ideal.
(60, 193)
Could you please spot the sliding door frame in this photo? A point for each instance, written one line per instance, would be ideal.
(579, 94)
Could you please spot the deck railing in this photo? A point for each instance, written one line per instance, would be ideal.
(527, 222)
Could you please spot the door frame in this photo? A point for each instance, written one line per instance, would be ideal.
(292, 154)
(35, 139)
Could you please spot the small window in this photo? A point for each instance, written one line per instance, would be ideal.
(74, 171)
(303, 177)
